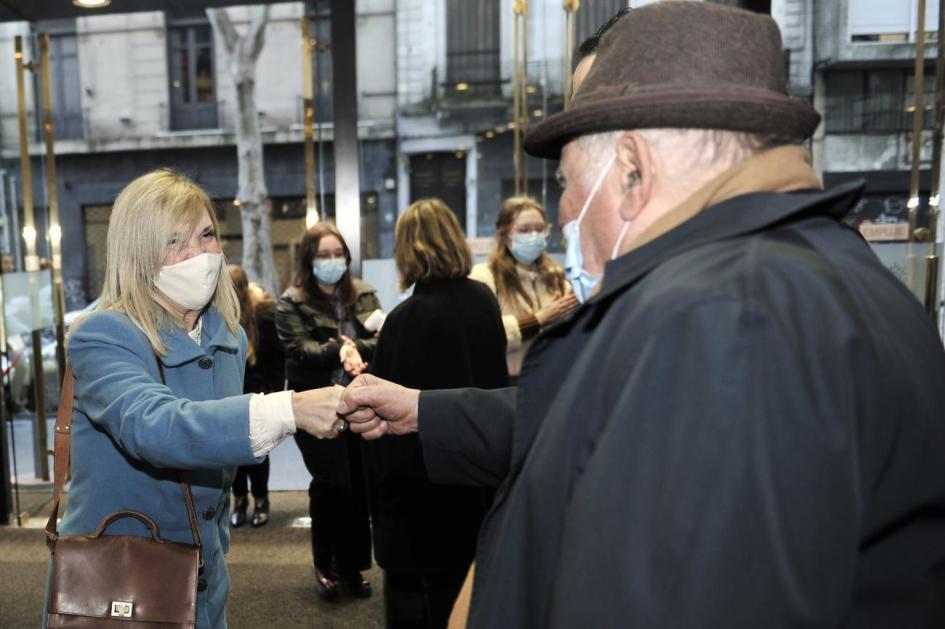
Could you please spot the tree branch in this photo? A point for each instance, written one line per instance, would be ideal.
(220, 20)
(256, 35)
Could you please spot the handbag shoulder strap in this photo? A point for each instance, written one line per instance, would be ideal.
(62, 451)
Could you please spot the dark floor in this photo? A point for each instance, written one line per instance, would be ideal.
(270, 570)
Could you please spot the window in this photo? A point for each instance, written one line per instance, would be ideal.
(63, 77)
(472, 48)
(441, 175)
(320, 12)
(883, 21)
(875, 101)
(193, 82)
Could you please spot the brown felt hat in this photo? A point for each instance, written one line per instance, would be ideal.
(682, 65)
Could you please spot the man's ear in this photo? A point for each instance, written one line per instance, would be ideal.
(635, 162)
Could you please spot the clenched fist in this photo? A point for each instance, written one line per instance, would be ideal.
(316, 411)
(375, 407)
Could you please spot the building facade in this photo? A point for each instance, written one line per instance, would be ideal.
(138, 91)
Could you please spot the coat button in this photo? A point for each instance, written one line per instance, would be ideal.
(208, 513)
(201, 585)
(205, 363)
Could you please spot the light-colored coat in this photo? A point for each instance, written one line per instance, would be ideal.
(538, 292)
(130, 435)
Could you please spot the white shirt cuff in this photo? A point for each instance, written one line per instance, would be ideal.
(270, 421)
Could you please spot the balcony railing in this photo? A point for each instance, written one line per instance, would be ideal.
(885, 113)
(474, 72)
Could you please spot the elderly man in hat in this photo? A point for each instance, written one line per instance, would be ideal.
(744, 425)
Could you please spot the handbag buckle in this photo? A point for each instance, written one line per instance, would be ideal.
(121, 609)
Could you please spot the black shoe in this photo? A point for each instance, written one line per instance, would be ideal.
(357, 586)
(261, 513)
(238, 517)
(326, 586)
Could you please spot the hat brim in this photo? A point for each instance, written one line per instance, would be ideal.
(748, 110)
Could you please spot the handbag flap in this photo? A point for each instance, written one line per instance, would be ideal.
(124, 577)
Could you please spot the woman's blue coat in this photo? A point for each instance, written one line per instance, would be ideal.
(130, 434)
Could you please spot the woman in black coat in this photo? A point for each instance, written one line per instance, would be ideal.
(448, 334)
(320, 321)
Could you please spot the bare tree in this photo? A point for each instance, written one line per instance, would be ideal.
(241, 54)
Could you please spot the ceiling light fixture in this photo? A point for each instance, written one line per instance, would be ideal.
(91, 4)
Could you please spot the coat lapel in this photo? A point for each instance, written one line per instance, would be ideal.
(181, 349)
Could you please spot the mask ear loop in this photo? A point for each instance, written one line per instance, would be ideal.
(597, 184)
(617, 245)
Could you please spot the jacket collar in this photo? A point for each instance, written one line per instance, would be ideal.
(181, 348)
(732, 218)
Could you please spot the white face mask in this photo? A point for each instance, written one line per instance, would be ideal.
(191, 283)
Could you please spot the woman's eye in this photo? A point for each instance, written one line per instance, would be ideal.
(172, 242)
(209, 234)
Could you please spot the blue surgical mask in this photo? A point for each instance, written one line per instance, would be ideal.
(527, 247)
(329, 271)
(582, 282)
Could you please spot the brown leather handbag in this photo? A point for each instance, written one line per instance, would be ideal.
(126, 581)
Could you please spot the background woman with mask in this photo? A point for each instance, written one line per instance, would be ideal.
(320, 320)
(529, 285)
(159, 383)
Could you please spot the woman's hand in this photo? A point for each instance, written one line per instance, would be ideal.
(557, 308)
(315, 412)
(351, 358)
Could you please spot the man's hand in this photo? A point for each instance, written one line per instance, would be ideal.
(375, 407)
(314, 412)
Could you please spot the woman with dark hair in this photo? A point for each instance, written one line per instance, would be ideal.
(448, 334)
(265, 373)
(529, 285)
(320, 321)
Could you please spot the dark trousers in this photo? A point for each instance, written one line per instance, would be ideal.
(420, 602)
(341, 533)
(256, 476)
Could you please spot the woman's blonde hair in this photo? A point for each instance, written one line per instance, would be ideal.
(429, 244)
(502, 263)
(145, 218)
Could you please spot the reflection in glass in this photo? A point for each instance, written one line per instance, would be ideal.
(204, 80)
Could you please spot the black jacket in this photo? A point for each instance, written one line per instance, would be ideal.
(744, 429)
(267, 374)
(448, 334)
(309, 333)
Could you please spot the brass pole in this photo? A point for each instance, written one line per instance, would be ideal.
(308, 105)
(521, 125)
(26, 178)
(931, 284)
(918, 120)
(517, 96)
(55, 230)
(935, 197)
(570, 8)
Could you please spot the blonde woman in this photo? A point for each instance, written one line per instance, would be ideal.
(529, 285)
(159, 380)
